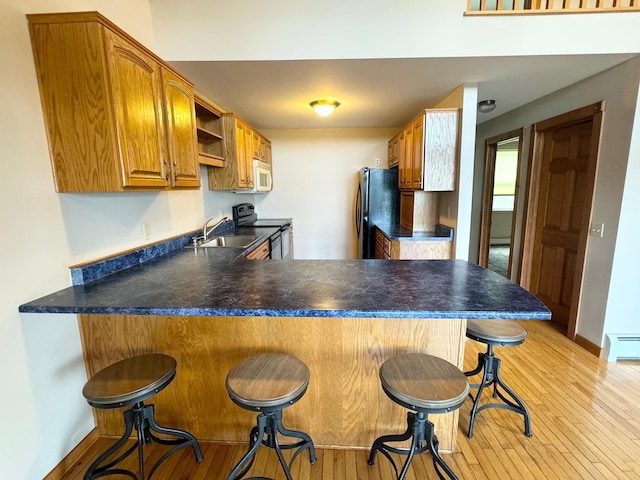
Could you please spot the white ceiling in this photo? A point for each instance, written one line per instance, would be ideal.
(380, 92)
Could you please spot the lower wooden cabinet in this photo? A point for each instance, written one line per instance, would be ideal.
(383, 246)
(387, 249)
(262, 252)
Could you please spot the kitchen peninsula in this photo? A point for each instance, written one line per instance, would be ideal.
(342, 318)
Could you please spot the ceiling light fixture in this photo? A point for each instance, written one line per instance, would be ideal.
(486, 106)
(324, 108)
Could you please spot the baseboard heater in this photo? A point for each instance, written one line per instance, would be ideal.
(622, 347)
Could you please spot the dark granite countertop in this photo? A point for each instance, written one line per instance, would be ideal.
(394, 231)
(200, 282)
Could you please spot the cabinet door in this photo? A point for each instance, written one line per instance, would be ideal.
(137, 97)
(440, 150)
(181, 132)
(267, 153)
(406, 178)
(248, 156)
(241, 153)
(417, 155)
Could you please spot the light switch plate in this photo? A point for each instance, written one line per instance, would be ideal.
(597, 230)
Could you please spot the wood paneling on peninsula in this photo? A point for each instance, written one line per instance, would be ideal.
(344, 405)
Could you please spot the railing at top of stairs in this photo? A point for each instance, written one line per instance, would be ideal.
(519, 7)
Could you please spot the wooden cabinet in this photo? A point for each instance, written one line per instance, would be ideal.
(209, 130)
(405, 164)
(387, 249)
(428, 161)
(261, 252)
(117, 117)
(237, 173)
(383, 246)
(241, 145)
(392, 152)
(261, 148)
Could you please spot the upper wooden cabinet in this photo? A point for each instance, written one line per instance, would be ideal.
(242, 144)
(237, 173)
(428, 160)
(392, 151)
(117, 117)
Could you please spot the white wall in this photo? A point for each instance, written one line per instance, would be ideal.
(623, 305)
(619, 87)
(381, 29)
(315, 180)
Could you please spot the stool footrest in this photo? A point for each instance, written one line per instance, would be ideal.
(421, 432)
(142, 418)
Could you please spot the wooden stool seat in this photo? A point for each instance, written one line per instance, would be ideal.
(128, 383)
(424, 384)
(496, 332)
(501, 333)
(269, 383)
(420, 381)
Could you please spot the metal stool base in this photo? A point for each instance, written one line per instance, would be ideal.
(421, 432)
(269, 424)
(489, 365)
(141, 417)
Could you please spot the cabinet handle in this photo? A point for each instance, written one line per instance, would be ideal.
(175, 171)
(167, 169)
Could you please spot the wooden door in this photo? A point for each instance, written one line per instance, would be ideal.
(515, 248)
(565, 157)
(181, 132)
(417, 157)
(137, 95)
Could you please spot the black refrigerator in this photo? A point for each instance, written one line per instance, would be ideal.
(377, 202)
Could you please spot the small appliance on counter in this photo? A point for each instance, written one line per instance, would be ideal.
(244, 216)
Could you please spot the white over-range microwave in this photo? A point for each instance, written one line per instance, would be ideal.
(262, 180)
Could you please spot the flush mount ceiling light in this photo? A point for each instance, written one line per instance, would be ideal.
(324, 108)
(486, 106)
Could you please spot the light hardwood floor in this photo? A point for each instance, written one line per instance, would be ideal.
(585, 421)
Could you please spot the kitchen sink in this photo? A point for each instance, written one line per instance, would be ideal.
(230, 241)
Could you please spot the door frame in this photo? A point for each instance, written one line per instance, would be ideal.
(490, 152)
(539, 132)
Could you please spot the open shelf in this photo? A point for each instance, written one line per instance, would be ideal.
(209, 129)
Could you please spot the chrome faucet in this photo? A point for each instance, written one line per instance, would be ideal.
(206, 233)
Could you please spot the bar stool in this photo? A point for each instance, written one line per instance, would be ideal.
(423, 384)
(127, 383)
(495, 333)
(269, 383)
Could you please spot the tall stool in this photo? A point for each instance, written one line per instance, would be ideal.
(495, 333)
(424, 384)
(127, 383)
(269, 383)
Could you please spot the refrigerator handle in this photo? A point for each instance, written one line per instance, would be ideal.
(358, 209)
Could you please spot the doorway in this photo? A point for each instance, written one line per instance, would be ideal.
(499, 206)
(563, 169)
